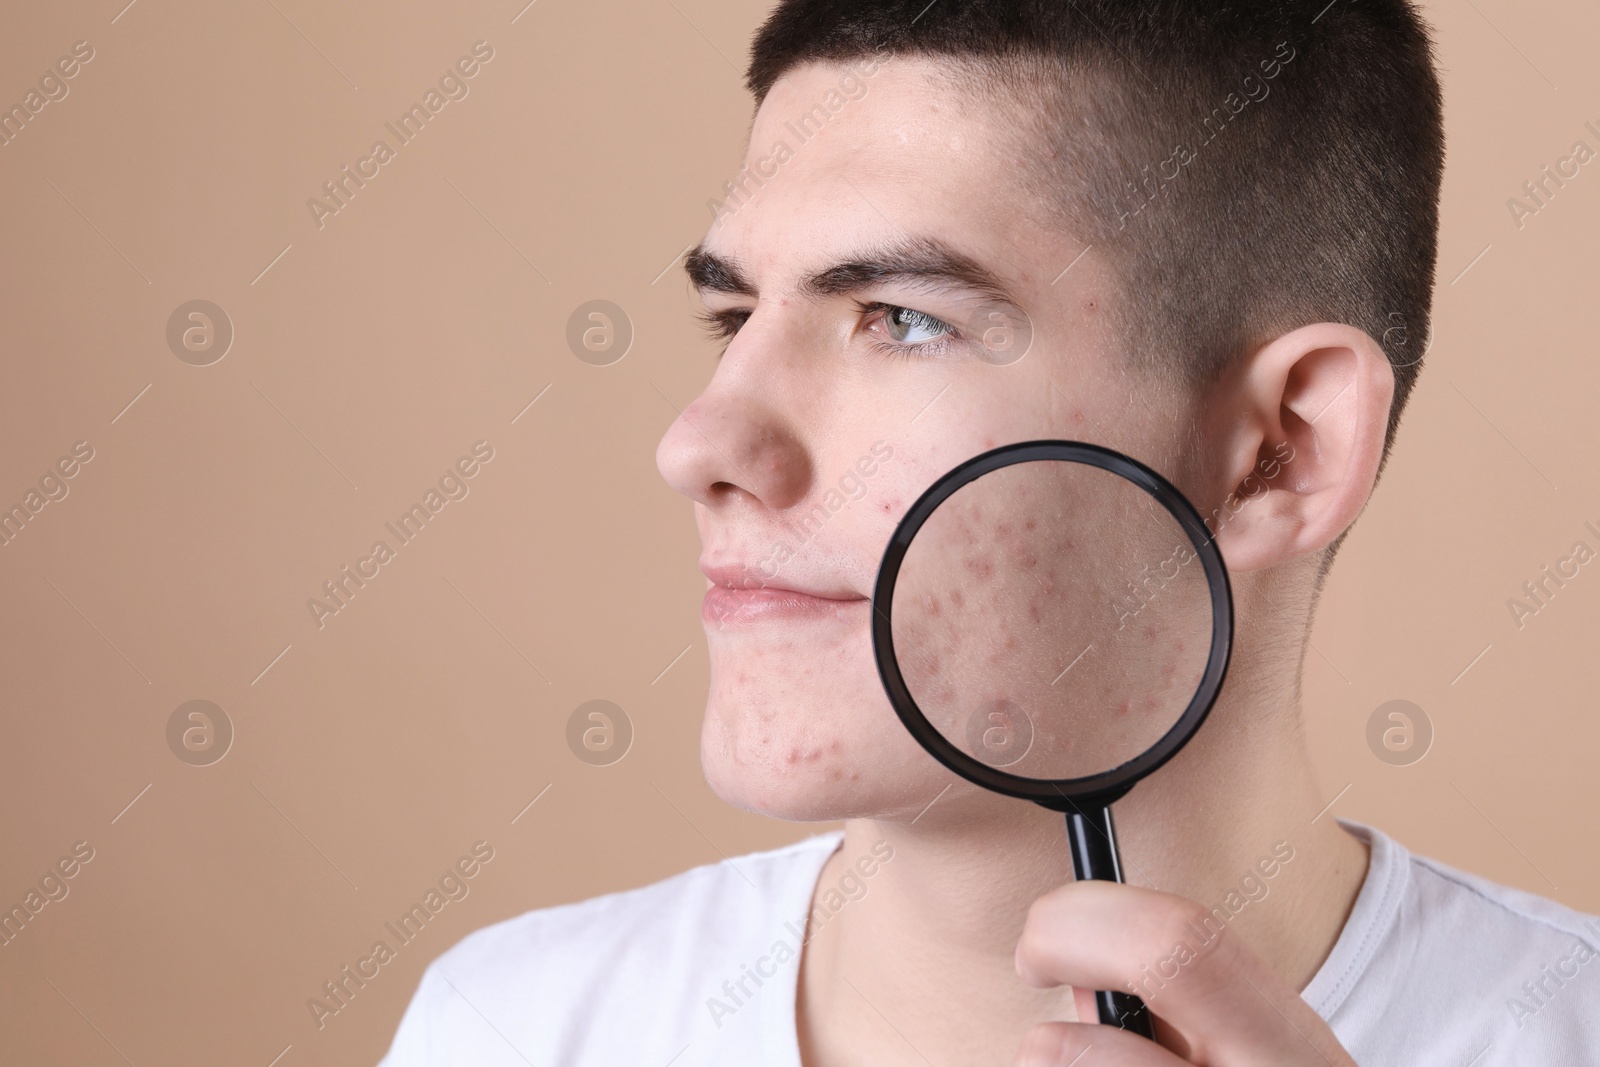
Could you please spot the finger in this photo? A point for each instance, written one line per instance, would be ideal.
(1083, 1001)
(1089, 1045)
(1088, 1009)
(1190, 969)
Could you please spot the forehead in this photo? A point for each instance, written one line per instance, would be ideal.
(844, 155)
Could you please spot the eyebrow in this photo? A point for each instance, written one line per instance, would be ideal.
(923, 260)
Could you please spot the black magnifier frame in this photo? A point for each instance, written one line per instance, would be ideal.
(1086, 800)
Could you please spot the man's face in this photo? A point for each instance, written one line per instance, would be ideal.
(845, 392)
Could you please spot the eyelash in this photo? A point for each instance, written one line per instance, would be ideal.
(724, 324)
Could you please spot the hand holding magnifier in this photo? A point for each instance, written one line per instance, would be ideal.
(1052, 620)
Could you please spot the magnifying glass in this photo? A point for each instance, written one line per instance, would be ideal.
(1052, 620)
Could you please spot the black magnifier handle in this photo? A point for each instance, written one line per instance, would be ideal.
(1093, 841)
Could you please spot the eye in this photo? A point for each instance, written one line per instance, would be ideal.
(903, 322)
(913, 332)
(725, 323)
(910, 332)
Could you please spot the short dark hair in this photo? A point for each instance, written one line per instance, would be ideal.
(1245, 167)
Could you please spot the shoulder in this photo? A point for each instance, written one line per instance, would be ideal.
(686, 915)
(1429, 946)
(1509, 919)
(544, 978)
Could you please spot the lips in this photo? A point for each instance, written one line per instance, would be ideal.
(739, 594)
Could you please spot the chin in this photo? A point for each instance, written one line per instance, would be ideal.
(802, 731)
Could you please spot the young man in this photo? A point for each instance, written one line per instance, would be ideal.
(1208, 219)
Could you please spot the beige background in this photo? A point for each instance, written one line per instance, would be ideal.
(374, 351)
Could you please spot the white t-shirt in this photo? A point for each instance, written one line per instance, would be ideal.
(1434, 966)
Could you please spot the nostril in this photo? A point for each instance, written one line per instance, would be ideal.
(722, 447)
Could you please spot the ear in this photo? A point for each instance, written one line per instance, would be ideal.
(1306, 417)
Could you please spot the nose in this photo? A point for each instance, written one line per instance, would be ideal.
(732, 441)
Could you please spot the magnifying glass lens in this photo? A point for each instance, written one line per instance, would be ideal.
(1052, 619)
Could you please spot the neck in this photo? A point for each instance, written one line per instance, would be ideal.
(922, 961)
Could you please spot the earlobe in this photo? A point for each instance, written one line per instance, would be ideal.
(1308, 415)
